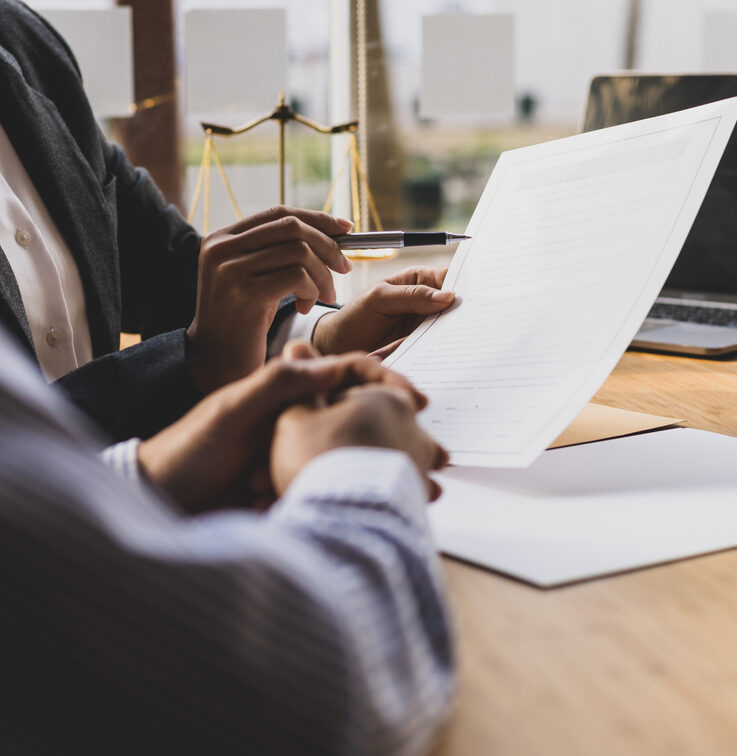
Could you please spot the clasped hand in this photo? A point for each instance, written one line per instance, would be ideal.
(223, 449)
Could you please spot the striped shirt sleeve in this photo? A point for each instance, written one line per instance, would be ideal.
(123, 458)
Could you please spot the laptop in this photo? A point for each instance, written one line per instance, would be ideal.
(696, 312)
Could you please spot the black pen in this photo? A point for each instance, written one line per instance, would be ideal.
(396, 239)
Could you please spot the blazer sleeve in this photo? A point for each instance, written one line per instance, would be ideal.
(158, 251)
(138, 391)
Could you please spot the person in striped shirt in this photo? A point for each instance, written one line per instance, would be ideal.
(147, 608)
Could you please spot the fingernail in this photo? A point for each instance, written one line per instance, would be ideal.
(344, 223)
(442, 296)
(347, 264)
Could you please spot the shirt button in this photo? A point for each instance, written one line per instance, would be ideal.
(22, 237)
(53, 336)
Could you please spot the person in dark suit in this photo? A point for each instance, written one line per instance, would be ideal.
(89, 247)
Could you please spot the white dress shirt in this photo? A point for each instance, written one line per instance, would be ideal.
(47, 275)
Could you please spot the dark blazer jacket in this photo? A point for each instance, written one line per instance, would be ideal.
(136, 255)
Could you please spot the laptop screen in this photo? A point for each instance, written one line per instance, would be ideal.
(708, 260)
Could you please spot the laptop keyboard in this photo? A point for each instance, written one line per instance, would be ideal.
(719, 316)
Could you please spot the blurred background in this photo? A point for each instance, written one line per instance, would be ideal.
(439, 87)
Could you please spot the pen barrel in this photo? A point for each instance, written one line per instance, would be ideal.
(371, 240)
(396, 239)
(424, 238)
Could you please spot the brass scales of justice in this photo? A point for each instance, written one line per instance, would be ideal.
(282, 114)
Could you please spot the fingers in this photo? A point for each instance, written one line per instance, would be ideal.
(385, 351)
(295, 280)
(292, 228)
(299, 350)
(357, 370)
(324, 222)
(315, 229)
(279, 247)
(434, 490)
(432, 277)
(281, 257)
(303, 378)
(441, 460)
(244, 270)
(377, 415)
(436, 457)
(395, 399)
(393, 412)
(431, 456)
(286, 381)
(402, 299)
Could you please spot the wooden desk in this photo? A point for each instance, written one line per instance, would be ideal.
(640, 664)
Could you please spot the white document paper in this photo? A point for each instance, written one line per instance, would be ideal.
(572, 242)
(102, 43)
(594, 509)
(474, 78)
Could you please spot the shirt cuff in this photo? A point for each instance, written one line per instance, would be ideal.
(123, 458)
(361, 478)
(296, 326)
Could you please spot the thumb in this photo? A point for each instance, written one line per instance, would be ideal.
(416, 299)
(304, 377)
(383, 352)
(286, 382)
(299, 350)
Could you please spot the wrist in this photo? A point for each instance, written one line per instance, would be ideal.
(192, 458)
(197, 362)
(153, 462)
(321, 332)
(213, 363)
(387, 479)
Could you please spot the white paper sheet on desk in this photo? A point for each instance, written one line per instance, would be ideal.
(596, 509)
(572, 241)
